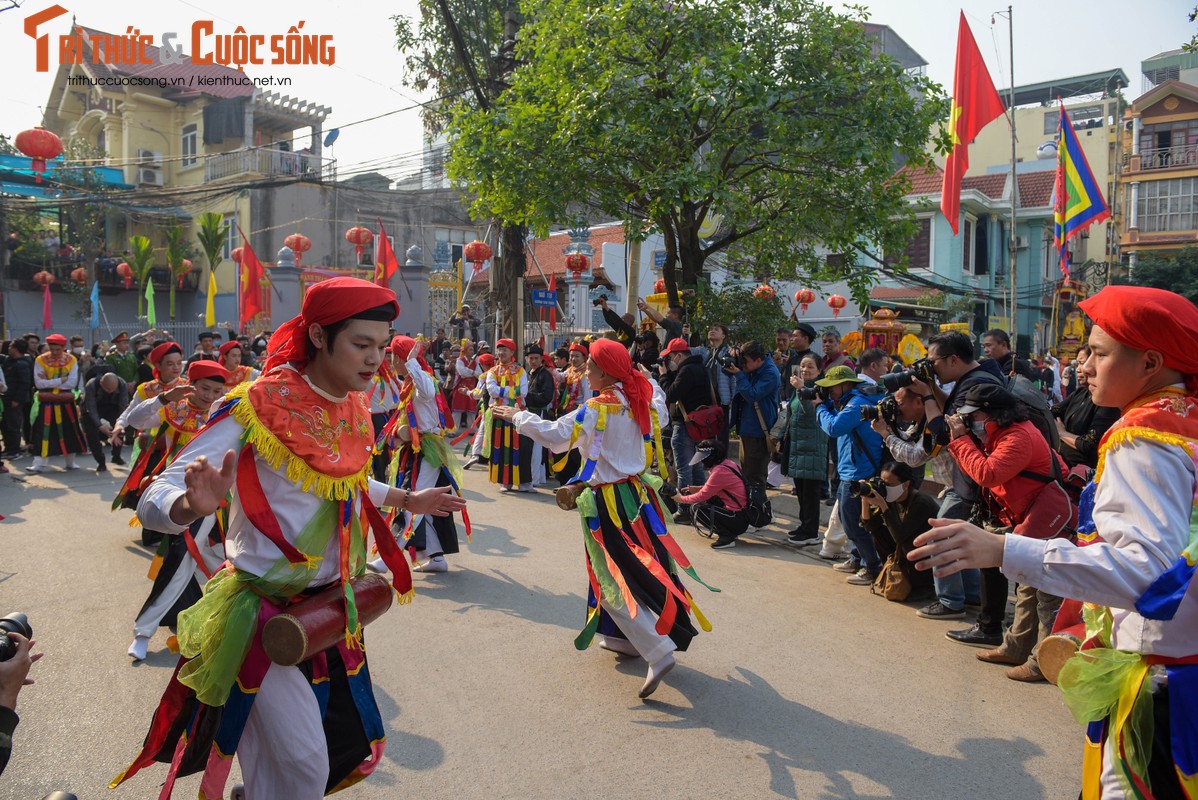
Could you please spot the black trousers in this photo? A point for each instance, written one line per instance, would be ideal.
(94, 441)
(12, 426)
(994, 600)
(807, 491)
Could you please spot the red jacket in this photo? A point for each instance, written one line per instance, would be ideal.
(1008, 451)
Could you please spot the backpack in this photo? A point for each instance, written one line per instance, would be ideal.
(1036, 404)
(758, 509)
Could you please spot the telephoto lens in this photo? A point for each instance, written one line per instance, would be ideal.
(13, 623)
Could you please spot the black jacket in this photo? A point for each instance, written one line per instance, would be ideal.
(18, 373)
(1009, 363)
(625, 333)
(540, 390)
(689, 386)
(1088, 422)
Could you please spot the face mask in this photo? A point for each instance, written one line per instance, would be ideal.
(78, 351)
(894, 492)
(979, 429)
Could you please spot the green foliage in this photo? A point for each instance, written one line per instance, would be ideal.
(433, 64)
(774, 114)
(211, 232)
(956, 308)
(85, 220)
(141, 260)
(1177, 273)
(747, 317)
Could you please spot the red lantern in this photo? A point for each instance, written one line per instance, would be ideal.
(476, 253)
(577, 263)
(40, 145)
(186, 269)
(836, 302)
(43, 278)
(804, 297)
(126, 273)
(360, 238)
(299, 245)
(79, 275)
(659, 285)
(235, 254)
(765, 292)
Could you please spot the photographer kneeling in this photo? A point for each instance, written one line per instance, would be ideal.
(719, 503)
(859, 456)
(895, 512)
(1020, 476)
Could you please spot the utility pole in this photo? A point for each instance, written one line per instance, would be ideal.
(1012, 238)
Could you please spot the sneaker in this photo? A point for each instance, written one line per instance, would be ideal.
(723, 543)
(72, 467)
(377, 566)
(35, 469)
(850, 566)
(863, 577)
(100, 468)
(938, 610)
(975, 637)
(120, 462)
(434, 564)
(828, 555)
(801, 539)
(470, 462)
(683, 518)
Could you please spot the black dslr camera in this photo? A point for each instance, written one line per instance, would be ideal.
(867, 487)
(921, 369)
(667, 493)
(887, 409)
(811, 393)
(598, 301)
(731, 359)
(13, 623)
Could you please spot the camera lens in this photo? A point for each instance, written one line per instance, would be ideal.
(13, 623)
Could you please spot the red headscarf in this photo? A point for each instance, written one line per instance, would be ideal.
(201, 370)
(402, 346)
(611, 357)
(579, 347)
(325, 303)
(1150, 319)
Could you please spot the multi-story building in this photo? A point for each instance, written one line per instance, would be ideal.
(1159, 182)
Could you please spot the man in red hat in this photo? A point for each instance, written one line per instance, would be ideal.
(56, 429)
(230, 359)
(509, 453)
(167, 362)
(175, 416)
(290, 454)
(1135, 678)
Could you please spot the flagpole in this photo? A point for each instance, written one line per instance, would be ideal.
(1012, 238)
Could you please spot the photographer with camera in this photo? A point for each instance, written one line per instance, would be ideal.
(721, 502)
(859, 457)
(951, 359)
(671, 321)
(902, 423)
(624, 326)
(754, 408)
(684, 381)
(894, 512)
(804, 449)
(723, 383)
(16, 659)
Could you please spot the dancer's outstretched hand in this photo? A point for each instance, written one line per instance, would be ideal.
(437, 502)
(207, 487)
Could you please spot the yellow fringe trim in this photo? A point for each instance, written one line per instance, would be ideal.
(1124, 435)
(276, 454)
(406, 597)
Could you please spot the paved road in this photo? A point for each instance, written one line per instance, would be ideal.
(807, 688)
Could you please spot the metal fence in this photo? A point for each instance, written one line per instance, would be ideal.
(185, 332)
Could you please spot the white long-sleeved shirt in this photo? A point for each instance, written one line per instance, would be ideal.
(424, 398)
(1142, 510)
(466, 370)
(623, 450)
(246, 547)
(65, 381)
(510, 395)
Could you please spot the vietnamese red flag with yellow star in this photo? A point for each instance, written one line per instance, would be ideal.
(975, 104)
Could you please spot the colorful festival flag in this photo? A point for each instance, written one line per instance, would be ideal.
(1077, 199)
(975, 104)
(210, 304)
(151, 314)
(387, 263)
(251, 281)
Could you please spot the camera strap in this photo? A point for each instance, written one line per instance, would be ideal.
(864, 449)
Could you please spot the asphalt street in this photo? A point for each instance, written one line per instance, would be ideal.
(807, 688)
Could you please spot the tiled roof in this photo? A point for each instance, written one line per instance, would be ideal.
(924, 181)
(991, 185)
(191, 73)
(1035, 188)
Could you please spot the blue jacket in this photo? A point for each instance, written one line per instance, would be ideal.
(760, 386)
(852, 463)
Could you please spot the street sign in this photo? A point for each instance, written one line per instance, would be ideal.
(659, 259)
(544, 297)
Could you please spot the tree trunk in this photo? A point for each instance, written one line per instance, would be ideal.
(507, 282)
(668, 270)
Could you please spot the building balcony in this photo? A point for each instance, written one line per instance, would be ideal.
(269, 162)
(1154, 158)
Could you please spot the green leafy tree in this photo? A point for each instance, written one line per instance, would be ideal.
(176, 254)
(141, 261)
(776, 116)
(1177, 273)
(748, 318)
(85, 210)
